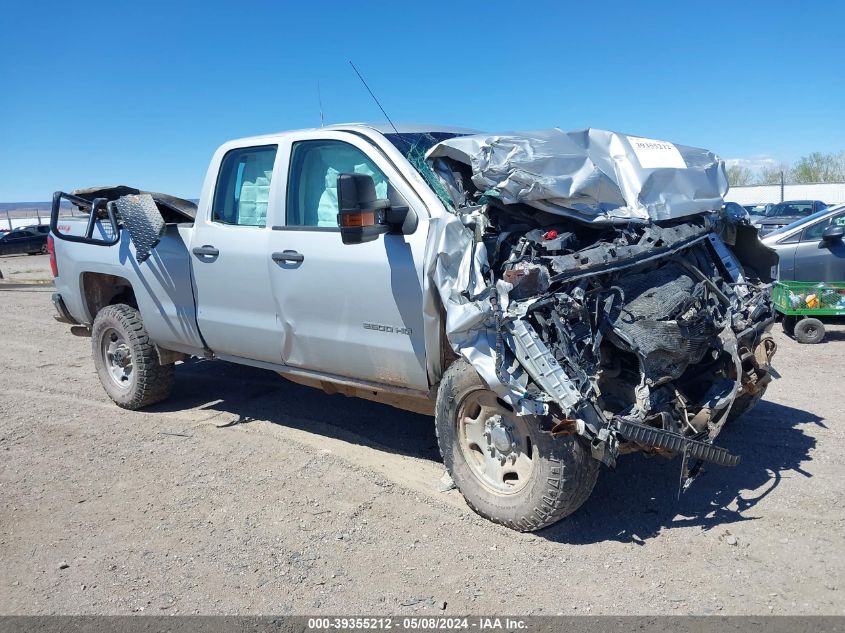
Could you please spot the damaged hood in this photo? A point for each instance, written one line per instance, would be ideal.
(595, 176)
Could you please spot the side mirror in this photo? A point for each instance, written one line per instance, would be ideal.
(362, 216)
(834, 233)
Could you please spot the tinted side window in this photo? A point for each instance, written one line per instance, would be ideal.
(243, 186)
(814, 233)
(312, 188)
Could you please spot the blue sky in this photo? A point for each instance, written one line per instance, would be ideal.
(141, 93)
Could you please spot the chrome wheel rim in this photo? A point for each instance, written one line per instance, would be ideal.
(495, 443)
(117, 358)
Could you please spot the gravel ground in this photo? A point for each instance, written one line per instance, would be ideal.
(25, 268)
(307, 503)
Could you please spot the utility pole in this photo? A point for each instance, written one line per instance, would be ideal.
(781, 185)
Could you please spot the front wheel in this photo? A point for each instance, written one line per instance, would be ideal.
(126, 360)
(506, 467)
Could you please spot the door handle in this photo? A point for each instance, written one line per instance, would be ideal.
(288, 256)
(205, 251)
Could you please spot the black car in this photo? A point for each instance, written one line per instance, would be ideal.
(29, 240)
(758, 209)
(785, 213)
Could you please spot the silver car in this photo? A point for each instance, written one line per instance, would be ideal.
(811, 249)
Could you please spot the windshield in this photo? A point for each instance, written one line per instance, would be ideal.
(786, 209)
(413, 143)
(414, 146)
(810, 218)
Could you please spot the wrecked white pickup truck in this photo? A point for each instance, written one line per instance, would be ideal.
(555, 299)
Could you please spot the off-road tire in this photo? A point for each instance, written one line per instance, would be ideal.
(788, 325)
(809, 331)
(561, 481)
(150, 382)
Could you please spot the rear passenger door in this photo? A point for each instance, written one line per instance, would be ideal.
(236, 313)
(348, 310)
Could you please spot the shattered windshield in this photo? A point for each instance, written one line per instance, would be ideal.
(414, 143)
(414, 146)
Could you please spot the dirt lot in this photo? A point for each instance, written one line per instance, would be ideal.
(309, 503)
(25, 268)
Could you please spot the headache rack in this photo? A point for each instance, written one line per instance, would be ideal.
(95, 209)
(144, 215)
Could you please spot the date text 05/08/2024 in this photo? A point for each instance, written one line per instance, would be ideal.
(413, 623)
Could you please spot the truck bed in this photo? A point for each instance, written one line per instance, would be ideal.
(162, 284)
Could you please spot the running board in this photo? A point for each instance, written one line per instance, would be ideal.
(667, 440)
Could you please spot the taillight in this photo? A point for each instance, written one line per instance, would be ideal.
(51, 248)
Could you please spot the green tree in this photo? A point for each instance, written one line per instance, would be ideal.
(770, 175)
(818, 167)
(739, 175)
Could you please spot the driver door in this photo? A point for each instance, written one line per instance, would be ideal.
(349, 310)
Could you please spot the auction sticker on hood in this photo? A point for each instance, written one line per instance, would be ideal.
(654, 154)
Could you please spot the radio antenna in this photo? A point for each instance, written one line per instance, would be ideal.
(363, 81)
(320, 101)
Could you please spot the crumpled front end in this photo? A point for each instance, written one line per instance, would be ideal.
(646, 334)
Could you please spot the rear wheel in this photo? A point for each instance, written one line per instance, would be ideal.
(507, 469)
(809, 331)
(127, 361)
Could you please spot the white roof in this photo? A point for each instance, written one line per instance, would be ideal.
(384, 128)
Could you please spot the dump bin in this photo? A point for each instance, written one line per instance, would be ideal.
(804, 305)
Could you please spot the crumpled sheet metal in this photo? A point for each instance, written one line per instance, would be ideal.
(457, 265)
(592, 175)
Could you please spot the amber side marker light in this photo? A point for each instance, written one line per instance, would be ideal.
(362, 218)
